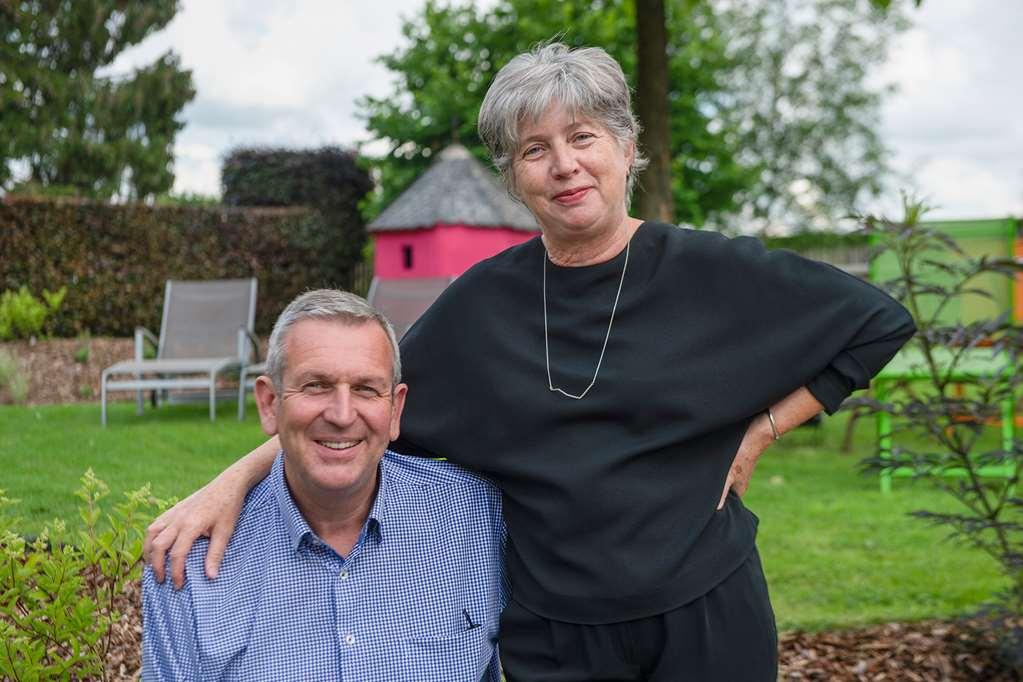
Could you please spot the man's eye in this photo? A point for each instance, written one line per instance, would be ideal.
(314, 387)
(366, 391)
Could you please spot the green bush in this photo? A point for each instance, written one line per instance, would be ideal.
(61, 593)
(13, 381)
(23, 316)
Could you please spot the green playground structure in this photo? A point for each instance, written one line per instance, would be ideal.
(996, 238)
(993, 238)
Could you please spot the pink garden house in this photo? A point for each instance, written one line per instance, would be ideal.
(453, 216)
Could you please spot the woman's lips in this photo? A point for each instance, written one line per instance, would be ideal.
(571, 196)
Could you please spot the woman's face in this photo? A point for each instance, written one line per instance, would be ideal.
(571, 172)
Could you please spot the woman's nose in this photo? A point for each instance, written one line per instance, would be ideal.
(563, 161)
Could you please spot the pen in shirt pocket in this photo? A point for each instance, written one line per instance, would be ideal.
(470, 625)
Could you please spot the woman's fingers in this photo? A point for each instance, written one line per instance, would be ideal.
(724, 493)
(179, 550)
(160, 537)
(219, 538)
(152, 531)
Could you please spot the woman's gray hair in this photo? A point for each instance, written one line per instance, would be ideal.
(586, 81)
(325, 304)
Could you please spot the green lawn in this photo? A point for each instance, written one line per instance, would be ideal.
(837, 553)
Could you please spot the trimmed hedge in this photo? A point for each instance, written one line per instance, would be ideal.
(807, 241)
(327, 179)
(115, 259)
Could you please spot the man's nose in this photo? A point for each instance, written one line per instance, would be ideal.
(340, 408)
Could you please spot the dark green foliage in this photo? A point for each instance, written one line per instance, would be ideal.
(78, 132)
(61, 593)
(327, 180)
(946, 415)
(115, 259)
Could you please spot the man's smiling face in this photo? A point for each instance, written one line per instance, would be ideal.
(337, 409)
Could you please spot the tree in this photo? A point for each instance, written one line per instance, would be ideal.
(807, 117)
(724, 161)
(63, 124)
(655, 200)
(885, 4)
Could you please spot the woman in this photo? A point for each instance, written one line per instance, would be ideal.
(618, 380)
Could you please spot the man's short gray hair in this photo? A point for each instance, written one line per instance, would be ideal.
(325, 304)
(586, 81)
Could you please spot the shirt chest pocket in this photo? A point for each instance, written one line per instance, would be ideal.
(461, 657)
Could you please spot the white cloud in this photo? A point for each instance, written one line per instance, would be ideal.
(952, 125)
(272, 73)
(197, 168)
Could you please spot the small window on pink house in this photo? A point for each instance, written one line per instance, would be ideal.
(406, 256)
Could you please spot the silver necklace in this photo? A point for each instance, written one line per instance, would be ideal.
(610, 323)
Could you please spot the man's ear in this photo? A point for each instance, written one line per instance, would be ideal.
(267, 402)
(397, 405)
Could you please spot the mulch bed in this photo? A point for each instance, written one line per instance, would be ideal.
(56, 376)
(929, 650)
(68, 370)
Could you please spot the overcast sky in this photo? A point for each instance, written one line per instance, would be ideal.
(289, 73)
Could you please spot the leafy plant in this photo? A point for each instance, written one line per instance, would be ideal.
(84, 348)
(963, 372)
(62, 593)
(12, 378)
(23, 316)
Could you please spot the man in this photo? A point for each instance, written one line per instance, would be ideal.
(348, 563)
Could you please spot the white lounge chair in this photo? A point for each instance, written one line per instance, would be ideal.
(206, 330)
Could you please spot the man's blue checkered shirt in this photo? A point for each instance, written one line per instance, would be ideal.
(418, 597)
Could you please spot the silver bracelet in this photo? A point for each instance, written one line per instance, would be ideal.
(774, 426)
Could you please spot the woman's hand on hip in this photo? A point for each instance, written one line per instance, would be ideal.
(757, 438)
(789, 412)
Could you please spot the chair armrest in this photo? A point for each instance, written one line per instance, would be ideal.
(141, 336)
(243, 336)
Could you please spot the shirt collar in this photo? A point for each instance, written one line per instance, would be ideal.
(296, 525)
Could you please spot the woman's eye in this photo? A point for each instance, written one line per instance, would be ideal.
(583, 137)
(532, 150)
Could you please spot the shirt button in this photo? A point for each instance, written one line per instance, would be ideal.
(343, 574)
(349, 639)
